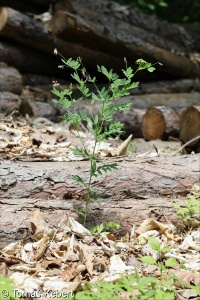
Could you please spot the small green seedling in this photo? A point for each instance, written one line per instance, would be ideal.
(7, 291)
(105, 227)
(139, 288)
(189, 212)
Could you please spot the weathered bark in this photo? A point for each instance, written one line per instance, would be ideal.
(99, 11)
(173, 100)
(166, 87)
(129, 195)
(9, 102)
(10, 80)
(82, 29)
(32, 104)
(106, 33)
(23, 29)
(33, 32)
(26, 59)
(36, 35)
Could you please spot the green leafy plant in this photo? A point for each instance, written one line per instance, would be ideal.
(7, 290)
(164, 289)
(101, 125)
(105, 227)
(189, 212)
(139, 288)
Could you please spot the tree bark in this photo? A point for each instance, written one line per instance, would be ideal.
(128, 195)
(32, 32)
(10, 80)
(36, 35)
(69, 26)
(9, 102)
(23, 29)
(28, 60)
(104, 11)
(106, 33)
(168, 86)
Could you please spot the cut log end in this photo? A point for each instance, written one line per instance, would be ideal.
(153, 124)
(189, 126)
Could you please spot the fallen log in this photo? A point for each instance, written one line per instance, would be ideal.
(9, 102)
(168, 86)
(108, 35)
(104, 11)
(32, 103)
(10, 80)
(33, 32)
(24, 29)
(129, 195)
(28, 60)
(72, 27)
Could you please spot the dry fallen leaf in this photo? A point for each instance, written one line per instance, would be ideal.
(150, 224)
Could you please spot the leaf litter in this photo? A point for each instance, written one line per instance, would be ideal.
(41, 139)
(66, 256)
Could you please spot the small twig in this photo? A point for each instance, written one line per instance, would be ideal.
(182, 147)
(13, 112)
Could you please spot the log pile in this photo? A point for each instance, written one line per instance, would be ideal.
(101, 32)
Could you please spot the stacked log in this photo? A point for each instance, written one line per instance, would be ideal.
(10, 80)
(94, 31)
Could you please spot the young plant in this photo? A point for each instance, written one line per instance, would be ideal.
(105, 227)
(164, 289)
(101, 125)
(189, 212)
(137, 287)
(7, 291)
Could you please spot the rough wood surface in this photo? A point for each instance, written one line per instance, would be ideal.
(168, 87)
(23, 29)
(98, 10)
(140, 187)
(92, 25)
(10, 80)
(9, 102)
(28, 60)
